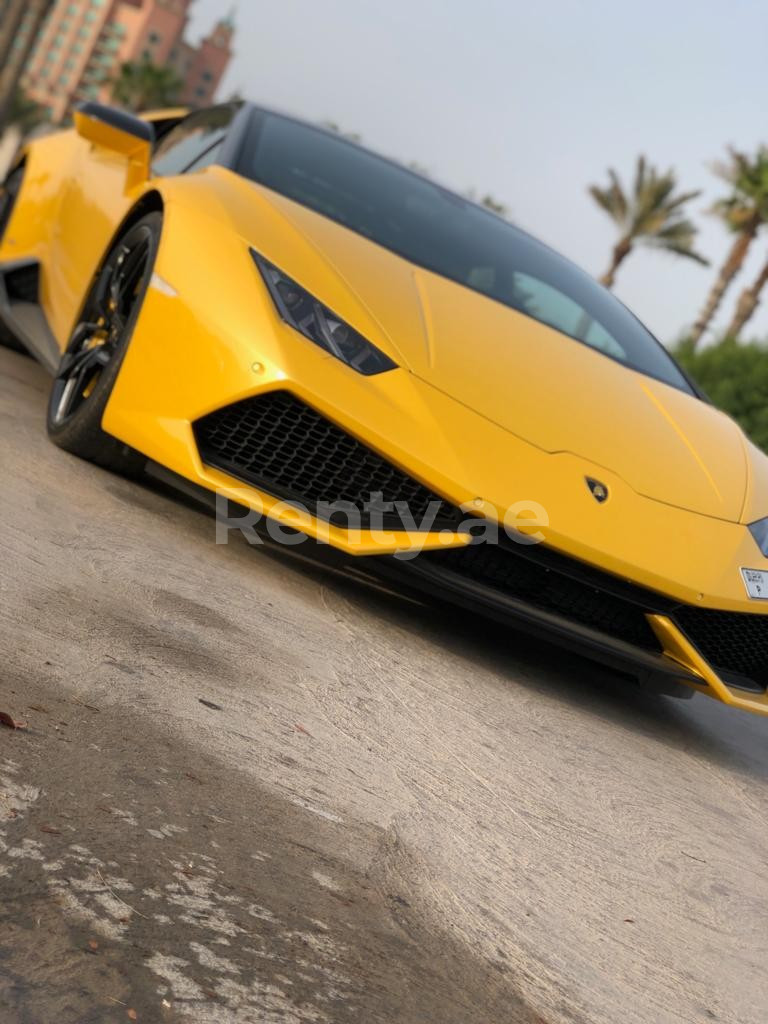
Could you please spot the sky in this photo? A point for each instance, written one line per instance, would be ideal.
(532, 102)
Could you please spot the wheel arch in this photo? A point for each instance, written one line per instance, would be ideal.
(150, 202)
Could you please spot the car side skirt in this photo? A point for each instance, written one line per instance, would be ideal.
(22, 314)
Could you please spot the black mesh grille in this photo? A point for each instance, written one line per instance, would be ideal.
(735, 645)
(22, 283)
(290, 450)
(555, 584)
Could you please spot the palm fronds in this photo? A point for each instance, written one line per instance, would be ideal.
(649, 213)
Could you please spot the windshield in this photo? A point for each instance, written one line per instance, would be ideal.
(451, 236)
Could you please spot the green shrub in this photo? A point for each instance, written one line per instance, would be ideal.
(735, 377)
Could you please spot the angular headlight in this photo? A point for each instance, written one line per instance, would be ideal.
(759, 531)
(318, 323)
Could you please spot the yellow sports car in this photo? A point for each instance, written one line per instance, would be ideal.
(258, 309)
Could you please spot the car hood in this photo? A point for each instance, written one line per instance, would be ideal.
(549, 390)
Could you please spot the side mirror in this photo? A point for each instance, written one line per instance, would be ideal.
(119, 132)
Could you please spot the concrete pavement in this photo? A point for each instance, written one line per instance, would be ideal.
(390, 813)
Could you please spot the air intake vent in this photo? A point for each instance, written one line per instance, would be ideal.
(288, 449)
(735, 644)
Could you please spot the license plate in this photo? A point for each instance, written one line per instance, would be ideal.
(756, 582)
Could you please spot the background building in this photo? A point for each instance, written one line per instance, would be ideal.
(20, 22)
(80, 46)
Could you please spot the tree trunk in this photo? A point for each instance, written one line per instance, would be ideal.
(748, 302)
(621, 250)
(729, 270)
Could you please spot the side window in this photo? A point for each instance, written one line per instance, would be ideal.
(550, 306)
(192, 139)
(211, 157)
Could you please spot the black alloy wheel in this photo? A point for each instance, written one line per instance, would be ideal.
(90, 364)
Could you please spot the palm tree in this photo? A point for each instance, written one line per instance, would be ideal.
(143, 85)
(748, 302)
(651, 215)
(334, 126)
(744, 211)
(494, 205)
(489, 201)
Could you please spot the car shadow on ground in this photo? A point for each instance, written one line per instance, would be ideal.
(698, 727)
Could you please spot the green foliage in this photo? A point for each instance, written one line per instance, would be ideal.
(735, 377)
(25, 113)
(333, 126)
(746, 207)
(489, 201)
(494, 205)
(144, 86)
(417, 168)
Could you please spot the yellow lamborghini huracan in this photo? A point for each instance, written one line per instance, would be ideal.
(259, 309)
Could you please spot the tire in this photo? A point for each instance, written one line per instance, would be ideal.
(97, 347)
(8, 193)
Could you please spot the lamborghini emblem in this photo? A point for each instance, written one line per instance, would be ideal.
(599, 491)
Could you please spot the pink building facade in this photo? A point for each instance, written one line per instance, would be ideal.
(82, 44)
